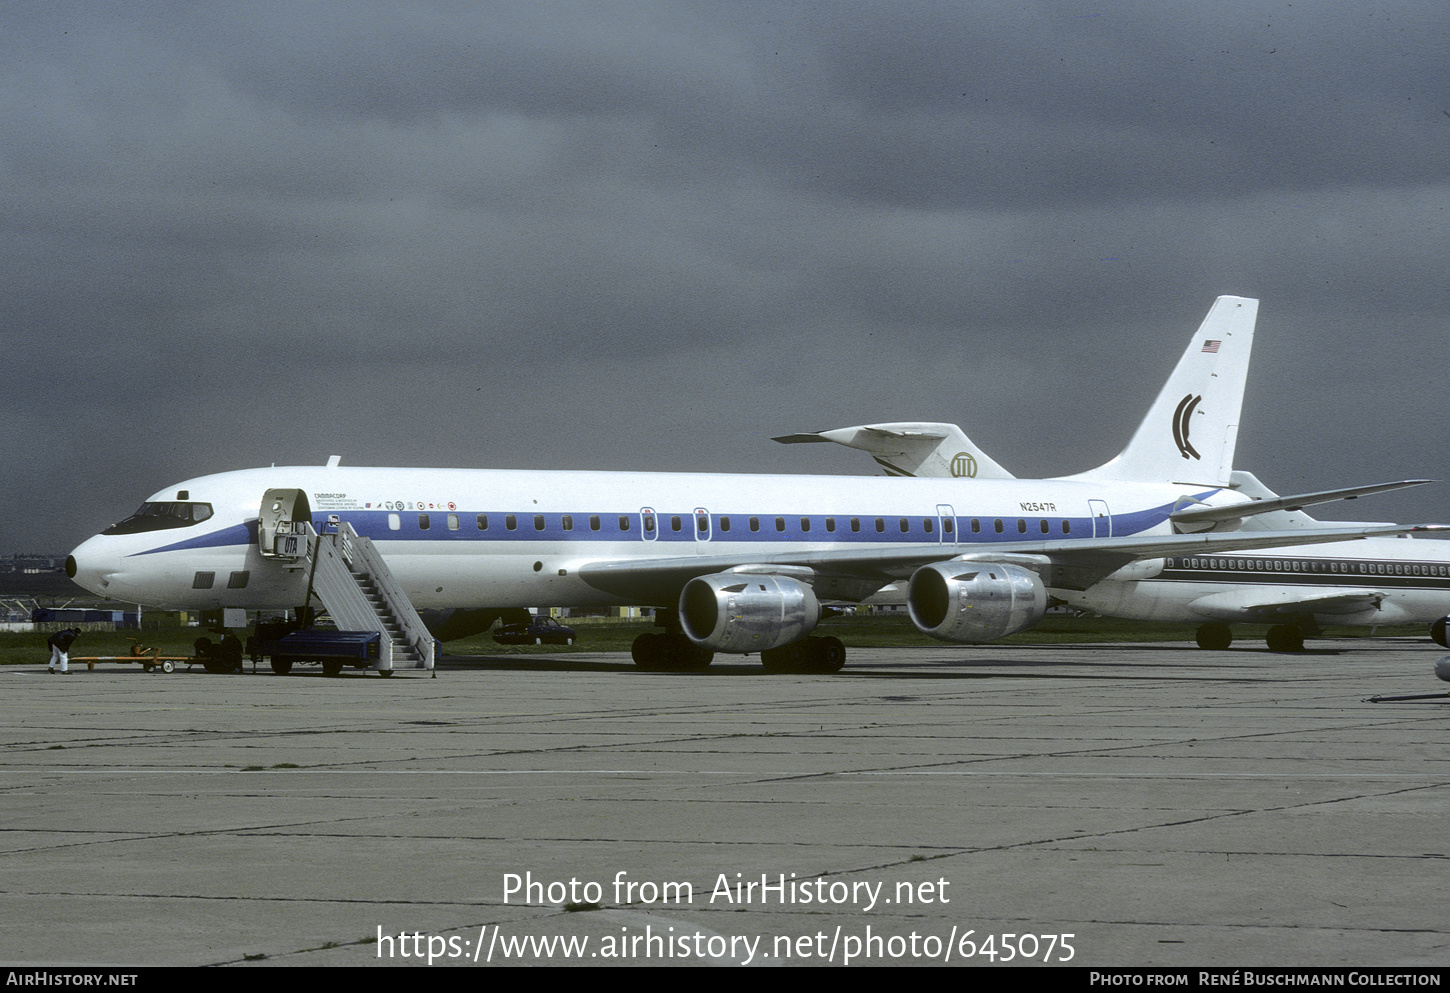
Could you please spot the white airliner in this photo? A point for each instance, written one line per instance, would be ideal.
(735, 563)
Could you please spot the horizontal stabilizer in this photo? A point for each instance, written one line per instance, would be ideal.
(912, 448)
(1200, 516)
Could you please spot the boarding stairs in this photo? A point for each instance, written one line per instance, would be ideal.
(360, 594)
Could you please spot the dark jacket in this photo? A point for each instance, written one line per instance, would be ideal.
(63, 640)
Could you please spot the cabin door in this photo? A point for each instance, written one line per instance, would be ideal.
(946, 524)
(281, 509)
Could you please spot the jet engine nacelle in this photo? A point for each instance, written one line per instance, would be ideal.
(974, 602)
(737, 612)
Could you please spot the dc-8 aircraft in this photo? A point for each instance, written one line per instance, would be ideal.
(739, 564)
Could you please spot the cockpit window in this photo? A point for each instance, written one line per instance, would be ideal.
(161, 516)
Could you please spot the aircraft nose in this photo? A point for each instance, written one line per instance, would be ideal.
(92, 566)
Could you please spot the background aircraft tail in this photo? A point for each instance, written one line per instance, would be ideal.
(1191, 430)
(912, 448)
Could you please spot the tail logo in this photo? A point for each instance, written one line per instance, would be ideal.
(1181, 424)
(963, 466)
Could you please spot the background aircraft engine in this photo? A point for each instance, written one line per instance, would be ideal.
(1438, 632)
(974, 602)
(734, 612)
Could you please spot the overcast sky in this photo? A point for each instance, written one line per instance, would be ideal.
(653, 235)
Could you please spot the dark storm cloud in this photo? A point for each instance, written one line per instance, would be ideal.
(653, 235)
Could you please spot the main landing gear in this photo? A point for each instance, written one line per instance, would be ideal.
(1216, 636)
(670, 651)
(1285, 638)
(811, 655)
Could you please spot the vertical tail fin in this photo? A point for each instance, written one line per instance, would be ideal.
(1191, 430)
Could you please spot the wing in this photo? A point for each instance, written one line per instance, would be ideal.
(1244, 604)
(853, 574)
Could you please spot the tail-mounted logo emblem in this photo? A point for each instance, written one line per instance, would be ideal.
(1181, 425)
(964, 466)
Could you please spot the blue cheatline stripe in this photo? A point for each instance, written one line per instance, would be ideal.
(374, 524)
(237, 534)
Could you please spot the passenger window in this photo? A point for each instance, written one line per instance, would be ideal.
(593, 522)
(623, 522)
(755, 524)
(805, 524)
(724, 524)
(568, 522)
(830, 525)
(538, 522)
(511, 522)
(702, 523)
(998, 525)
(780, 524)
(453, 522)
(483, 522)
(1066, 526)
(1045, 528)
(855, 525)
(649, 523)
(880, 525)
(395, 523)
(675, 523)
(976, 526)
(423, 522)
(927, 525)
(1021, 526)
(905, 527)
(948, 526)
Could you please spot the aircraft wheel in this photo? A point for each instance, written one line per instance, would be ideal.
(774, 661)
(786, 658)
(1284, 638)
(281, 664)
(1438, 633)
(167, 667)
(332, 667)
(385, 672)
(829, 655)
(692, 657)
(673, 652)
(646, 652)
(1214, 637)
